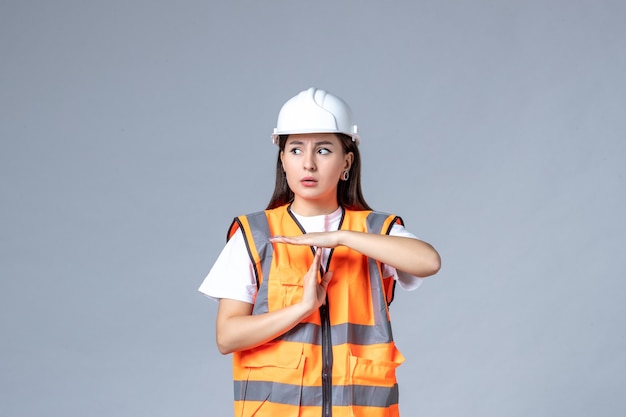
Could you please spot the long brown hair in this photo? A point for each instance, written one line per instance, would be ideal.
(349, 194)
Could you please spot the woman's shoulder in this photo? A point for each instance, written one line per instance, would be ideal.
(369, 213)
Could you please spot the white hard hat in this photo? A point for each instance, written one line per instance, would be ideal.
(315, 111)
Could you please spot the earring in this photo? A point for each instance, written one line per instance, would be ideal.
(345, 175)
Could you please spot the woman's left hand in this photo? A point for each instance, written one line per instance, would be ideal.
(407, 254)
(318, 239)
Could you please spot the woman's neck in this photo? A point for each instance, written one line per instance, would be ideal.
(308, 208)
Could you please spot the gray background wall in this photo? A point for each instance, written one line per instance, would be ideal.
(133, 131)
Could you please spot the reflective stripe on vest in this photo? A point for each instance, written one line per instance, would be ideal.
(284, 375)
(362, 395)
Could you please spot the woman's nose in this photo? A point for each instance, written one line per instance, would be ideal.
(309, 161)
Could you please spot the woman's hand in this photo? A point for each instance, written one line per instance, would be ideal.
(314, 292)
(317, 239)
(412, 256)
(237, 329)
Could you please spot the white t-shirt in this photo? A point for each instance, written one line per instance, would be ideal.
(232, 275)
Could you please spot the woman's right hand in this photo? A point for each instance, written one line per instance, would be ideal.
(314, 290)
(238, 329)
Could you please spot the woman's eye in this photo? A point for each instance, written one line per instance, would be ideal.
(323, 151)
(296, 151)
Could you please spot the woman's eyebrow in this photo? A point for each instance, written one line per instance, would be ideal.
(322, 142)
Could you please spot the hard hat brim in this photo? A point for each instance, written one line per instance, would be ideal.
(355, 137)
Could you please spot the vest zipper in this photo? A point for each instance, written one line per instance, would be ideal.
(327, 350)
(327, 362)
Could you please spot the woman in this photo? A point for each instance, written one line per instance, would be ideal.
(304, 286)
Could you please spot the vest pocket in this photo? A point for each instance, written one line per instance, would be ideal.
(275, 377)
(372, 372)
(373, 386)
(291, 280)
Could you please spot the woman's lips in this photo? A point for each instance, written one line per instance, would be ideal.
(308, 181)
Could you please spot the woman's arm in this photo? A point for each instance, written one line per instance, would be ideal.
(237, 329)
(413, 256)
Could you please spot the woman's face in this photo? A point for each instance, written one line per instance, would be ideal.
(313, 164)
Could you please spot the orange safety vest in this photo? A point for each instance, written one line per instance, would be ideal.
(341, 360)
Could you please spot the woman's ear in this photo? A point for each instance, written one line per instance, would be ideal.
(348, 163)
